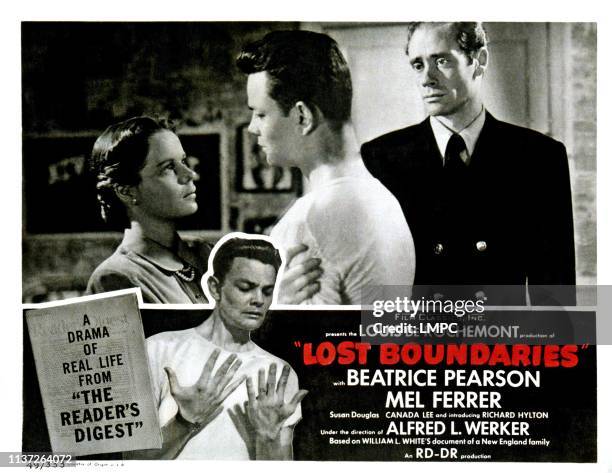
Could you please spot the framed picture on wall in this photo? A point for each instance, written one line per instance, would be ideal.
(60, 192)
(254, 174)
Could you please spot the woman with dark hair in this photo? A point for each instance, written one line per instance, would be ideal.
(142, 174)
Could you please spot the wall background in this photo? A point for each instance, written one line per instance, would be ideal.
(77, 78)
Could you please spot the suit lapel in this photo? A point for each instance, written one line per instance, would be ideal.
(430, 146)
(488, 141)
(421, 150)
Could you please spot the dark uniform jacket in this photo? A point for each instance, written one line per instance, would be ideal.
(506, 220)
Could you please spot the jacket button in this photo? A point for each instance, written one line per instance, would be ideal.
(439, 248)
(481, 245)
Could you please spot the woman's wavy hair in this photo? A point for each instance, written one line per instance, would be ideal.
(118, 155)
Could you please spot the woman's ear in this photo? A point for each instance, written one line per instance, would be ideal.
(126, 194)
(307, 117)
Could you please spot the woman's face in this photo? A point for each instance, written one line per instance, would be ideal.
(166, 189)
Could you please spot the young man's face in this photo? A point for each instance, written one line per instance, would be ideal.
(444, 76)
(276, 132)
(244, 297)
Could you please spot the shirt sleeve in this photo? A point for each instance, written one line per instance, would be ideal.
(164, 401)
(153, 356)
(106, 281)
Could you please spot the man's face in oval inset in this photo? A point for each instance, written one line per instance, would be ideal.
(245, 295)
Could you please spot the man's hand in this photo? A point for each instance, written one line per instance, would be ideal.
(300, 280)
(200, 403)
(198, 406)
(268, 410)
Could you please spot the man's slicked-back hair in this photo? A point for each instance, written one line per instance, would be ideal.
(258, 249)
(470, 36)
(302, 66)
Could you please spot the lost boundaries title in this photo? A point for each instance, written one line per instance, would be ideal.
(427, 414)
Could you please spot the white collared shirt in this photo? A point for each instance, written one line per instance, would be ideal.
(469, 134)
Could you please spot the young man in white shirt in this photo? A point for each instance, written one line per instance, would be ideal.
(299, 89)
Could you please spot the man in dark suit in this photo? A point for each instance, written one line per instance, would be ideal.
(488, 203)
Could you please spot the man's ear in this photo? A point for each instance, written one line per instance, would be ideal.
(214, 286)
(481, 60)
(126, 194)
(307, 117)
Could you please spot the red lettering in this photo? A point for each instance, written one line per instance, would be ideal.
(457, 354)
(389, 353)
(499, 355)
(433, 354)
(346, 353)
(309, 359)
(479, 354)
(411, 353)
(520, 355)
(569, 355)
(551, 356)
